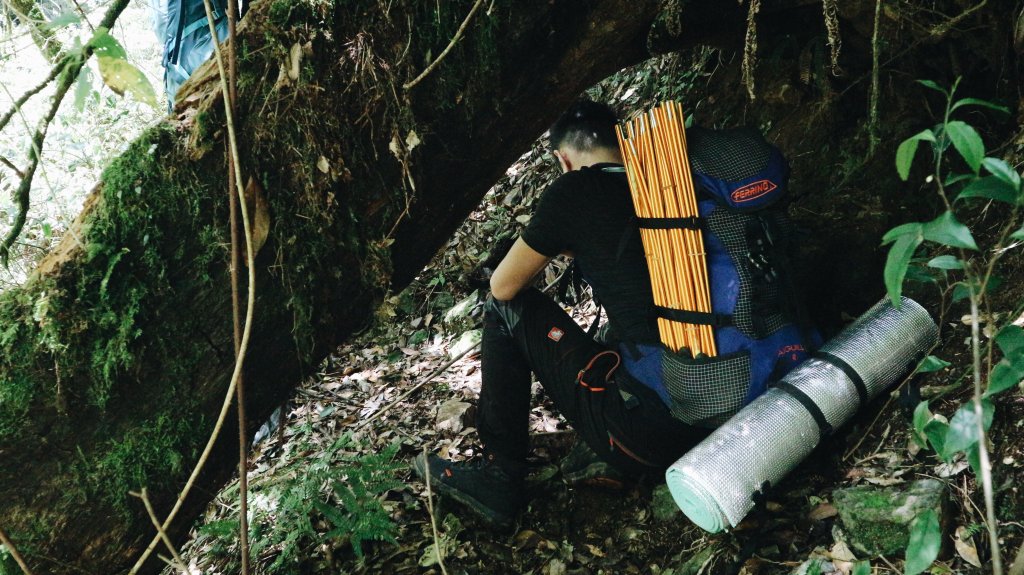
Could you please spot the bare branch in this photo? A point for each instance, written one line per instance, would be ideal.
(67, 70)
(85, 17)
(10, 165)
(243, 444)
(455, 39)
(32, 92)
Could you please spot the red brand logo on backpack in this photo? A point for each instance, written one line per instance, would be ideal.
(555, 334)
(752, 191)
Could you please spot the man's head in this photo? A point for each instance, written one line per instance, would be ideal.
(585, 134)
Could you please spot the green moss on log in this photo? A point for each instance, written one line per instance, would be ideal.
(476, 54)
(111, 354)
(161, 445)
(73, 343)
(20, 381)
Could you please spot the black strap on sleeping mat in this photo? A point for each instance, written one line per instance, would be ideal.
(858, 381)
(808, 403)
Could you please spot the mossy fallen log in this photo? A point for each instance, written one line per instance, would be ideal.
(116, 354)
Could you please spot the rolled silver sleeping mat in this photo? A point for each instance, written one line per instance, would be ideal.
(715, 483)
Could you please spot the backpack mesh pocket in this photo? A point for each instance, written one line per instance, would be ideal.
(707, 391)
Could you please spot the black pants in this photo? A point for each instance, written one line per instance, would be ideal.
(532, 333)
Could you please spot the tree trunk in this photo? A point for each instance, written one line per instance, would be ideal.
(116, 354)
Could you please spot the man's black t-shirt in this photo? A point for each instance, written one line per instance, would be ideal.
(589, 212)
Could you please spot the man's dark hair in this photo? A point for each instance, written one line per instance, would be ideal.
(584, 126)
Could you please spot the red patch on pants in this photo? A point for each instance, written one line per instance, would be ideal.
(555, 334)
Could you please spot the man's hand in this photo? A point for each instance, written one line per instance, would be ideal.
(517, 270)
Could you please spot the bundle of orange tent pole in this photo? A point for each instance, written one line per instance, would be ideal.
(653, 146)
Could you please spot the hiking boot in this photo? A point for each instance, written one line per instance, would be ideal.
(584, 467)
(483, 486)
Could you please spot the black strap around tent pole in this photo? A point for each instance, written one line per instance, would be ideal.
(690, 223)
(694, 317)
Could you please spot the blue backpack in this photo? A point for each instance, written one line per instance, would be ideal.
(760, 329)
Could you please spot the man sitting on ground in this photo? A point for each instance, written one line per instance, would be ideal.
(625, 429)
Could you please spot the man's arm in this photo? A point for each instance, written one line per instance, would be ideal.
(517, 270)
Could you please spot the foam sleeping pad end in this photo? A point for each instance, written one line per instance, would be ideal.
(695, 501)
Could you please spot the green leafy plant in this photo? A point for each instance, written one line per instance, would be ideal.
(118, 73)
(354, 508)
(966, 272)
(925, 541)
(329, 498)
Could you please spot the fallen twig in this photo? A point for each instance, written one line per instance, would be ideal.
(14, 553)
(873, 137)
(416, 387)
(178, 563)
(433, 521)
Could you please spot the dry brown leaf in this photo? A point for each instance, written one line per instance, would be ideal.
(412, 140)
(594, 550)
(822, 512)
(946, 470)
(841, 552)
(395, 146)
(555, 567)
(259, 214)
(912, 447)
(527, 539)
(965, 547)
(843, 567)
(856, 473)
(751, 566)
